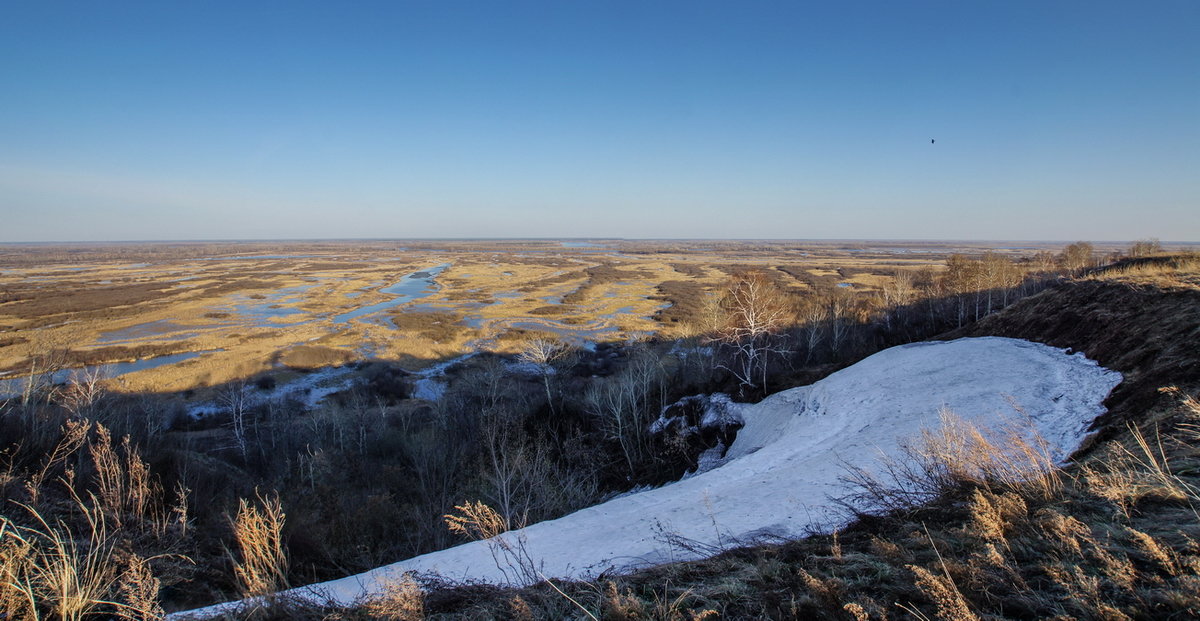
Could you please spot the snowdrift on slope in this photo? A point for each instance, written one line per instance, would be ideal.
(785, 465)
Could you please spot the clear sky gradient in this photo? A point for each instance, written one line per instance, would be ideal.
(289, 119)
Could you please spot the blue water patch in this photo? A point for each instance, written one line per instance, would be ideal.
(116, 369)
(269, 308)
(413, 286)
(161, 330)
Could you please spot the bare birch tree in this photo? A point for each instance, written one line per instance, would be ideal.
(756, 312)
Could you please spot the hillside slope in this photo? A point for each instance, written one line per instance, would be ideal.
(788, 464)
(1139, 318)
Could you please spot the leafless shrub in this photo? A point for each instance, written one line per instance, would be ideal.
(624, 405)
(85, 389)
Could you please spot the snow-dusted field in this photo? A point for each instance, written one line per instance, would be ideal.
(786, 463)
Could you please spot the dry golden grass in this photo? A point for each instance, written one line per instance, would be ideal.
(1010, 455)
(140, 589)
(48, 570)
(1163, 270)
(123, 479)
(399, 600)
(476, 521)
(941, 590)
(258, 530)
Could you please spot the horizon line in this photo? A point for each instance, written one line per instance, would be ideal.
(589, 239)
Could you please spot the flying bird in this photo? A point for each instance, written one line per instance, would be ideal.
(931, 141)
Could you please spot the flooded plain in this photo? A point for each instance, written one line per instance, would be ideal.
(186, 320)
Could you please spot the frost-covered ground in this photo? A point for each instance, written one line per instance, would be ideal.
(786, 464)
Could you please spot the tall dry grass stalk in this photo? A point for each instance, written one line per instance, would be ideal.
(140, 589)
(951, 606)
(122, 479)
(46, 572)
(258, 529)
(476, 521)
(1008, 456)
(60, 575)
(73, 436)
(1126, 475)
(16, 553)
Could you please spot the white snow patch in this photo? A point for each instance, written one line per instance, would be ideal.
(428, 389)
(309, 389)
(722, 412)
(786, 463)
(531, 369)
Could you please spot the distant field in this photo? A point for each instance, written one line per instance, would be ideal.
(242, 308)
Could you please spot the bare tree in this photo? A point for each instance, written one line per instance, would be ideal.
(1077, 256)
(756, 312)
(813, 315)
(543, 353)
(506, 459)
(1145, 248)
(995, 273)
(960, 279)
(234, 399)
(624, 405)
(898, 290)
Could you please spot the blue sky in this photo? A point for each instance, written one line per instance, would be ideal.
(239, 120)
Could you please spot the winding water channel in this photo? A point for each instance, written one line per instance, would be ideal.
(414, 286)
